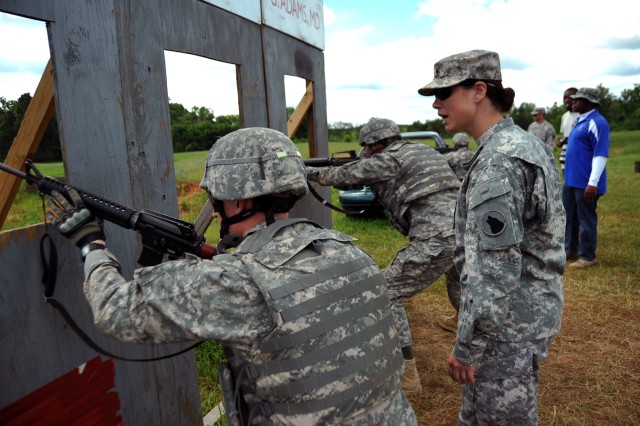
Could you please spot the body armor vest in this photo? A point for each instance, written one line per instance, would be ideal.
(333, 349)
(423, 171)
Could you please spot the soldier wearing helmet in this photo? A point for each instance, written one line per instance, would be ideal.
(460, 154)
(281, 304)
(417, 189)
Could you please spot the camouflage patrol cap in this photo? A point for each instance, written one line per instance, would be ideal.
(378, 129)
(587, 93)
(471, 65)
(461, 139)
(538, 110)
(252, 162)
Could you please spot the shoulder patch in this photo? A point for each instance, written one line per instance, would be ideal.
(493, 223)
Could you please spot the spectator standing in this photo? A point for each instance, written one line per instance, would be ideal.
(542, 129)
(460, 154)
(567, 121)
(303, 314)
(417, 189)
(585, 178)
(509, 226)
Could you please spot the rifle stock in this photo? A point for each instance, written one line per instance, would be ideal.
(161, 234)
(336, 159)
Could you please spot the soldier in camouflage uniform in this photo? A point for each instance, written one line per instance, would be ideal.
(302, 312)
(509, 245)
(542, 129)
(417, 189)
(460, 154)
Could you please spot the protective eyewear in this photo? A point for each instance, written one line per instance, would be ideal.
(446, 92)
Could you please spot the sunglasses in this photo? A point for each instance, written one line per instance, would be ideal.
(446, 92)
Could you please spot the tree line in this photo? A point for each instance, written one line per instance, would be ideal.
(623, 113)
(198, 129)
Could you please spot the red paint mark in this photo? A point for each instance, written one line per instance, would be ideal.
(83, 396)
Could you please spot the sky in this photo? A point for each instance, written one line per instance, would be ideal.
(378, 53)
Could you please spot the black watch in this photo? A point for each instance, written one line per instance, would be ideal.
(91, 247)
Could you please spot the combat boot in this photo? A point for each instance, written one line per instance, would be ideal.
(411, 379)
(450, 324)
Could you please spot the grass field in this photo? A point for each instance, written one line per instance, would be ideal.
(592, 375)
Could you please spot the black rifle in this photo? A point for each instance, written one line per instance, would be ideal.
(336, 159)
(161, 234)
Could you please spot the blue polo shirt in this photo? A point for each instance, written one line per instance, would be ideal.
(589, 138)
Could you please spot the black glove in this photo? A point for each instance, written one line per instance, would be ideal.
(72, 218)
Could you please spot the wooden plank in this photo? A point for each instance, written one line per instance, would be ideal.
(25, 144)
(113, 117)
(197, 28)
(36, 9)
(284, 55)
(301, 111)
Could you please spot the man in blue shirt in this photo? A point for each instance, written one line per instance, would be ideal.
(585, 178)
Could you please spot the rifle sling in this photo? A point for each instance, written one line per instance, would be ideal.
(333, 207)
(49, 275)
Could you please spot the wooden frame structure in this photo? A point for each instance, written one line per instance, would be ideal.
(108, 79)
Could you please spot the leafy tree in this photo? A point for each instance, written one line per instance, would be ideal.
(11, 115)
(630, 105)
(198, 129)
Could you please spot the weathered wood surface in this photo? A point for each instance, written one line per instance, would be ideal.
(285, 55)
(37, 346)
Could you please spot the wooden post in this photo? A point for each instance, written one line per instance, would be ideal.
(34, 124)
(301, 112)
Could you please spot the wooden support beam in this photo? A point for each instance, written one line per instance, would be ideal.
(24, 146)
(301, 111)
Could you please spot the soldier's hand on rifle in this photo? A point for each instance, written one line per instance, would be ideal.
(72, 218)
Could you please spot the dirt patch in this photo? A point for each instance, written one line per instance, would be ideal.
(187, 190)
(591, 376)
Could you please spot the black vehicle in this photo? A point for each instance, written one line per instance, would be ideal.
(357, 198)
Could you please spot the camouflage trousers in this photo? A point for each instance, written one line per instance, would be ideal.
(415, 267)
(506, 387)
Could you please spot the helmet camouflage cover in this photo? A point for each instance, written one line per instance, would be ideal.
(252, 162)
(461, 139)
(378, 129)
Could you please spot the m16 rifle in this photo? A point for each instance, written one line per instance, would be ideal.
(161, 234)
(336, 159)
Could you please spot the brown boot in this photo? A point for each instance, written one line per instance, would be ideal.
(450, 324)
(411, 378)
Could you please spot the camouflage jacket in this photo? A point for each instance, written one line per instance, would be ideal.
(510, 225)
(457, 158)
(545, 132)
(404, 175)
(257, 302)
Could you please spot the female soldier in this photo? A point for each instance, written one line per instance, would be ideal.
(509, 225)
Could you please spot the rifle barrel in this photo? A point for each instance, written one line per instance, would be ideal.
(13, 171)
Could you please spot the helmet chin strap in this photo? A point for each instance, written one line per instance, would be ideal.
(233, 240)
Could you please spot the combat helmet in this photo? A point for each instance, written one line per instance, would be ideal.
(257, 163)
(461, 139)
(377, 130)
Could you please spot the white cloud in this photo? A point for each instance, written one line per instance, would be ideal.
(329, 15)
(23, 55)
(558, 44)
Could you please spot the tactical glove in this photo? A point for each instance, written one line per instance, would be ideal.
(73, 219)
